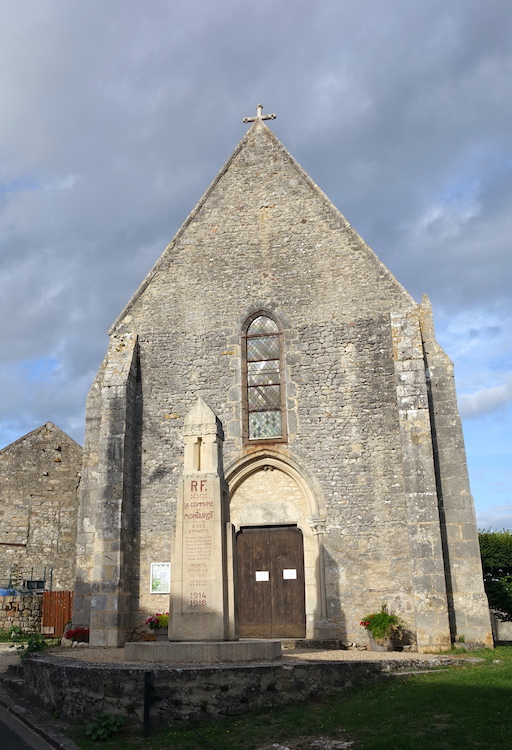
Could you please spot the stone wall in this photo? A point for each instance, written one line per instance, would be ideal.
(105, 519)
(23, 611)
(265, 238)
(502, 631)
(39, 477)
(80, 691)
(343, 429)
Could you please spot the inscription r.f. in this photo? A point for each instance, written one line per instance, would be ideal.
(194, 485)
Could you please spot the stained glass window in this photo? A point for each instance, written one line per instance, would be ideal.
(263, 384)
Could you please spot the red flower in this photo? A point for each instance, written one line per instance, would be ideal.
(78, 634)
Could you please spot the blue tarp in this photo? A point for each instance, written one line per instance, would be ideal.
(9, 592)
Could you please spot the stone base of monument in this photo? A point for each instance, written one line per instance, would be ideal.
(203, 652)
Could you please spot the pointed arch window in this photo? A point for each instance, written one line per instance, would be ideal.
(264, 417)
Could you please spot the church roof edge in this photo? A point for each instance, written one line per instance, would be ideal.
(32, 433)
(182, 229)
(257, 125)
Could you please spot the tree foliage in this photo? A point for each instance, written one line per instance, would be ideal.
(496, 553)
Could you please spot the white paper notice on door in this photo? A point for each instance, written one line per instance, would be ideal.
(262, 575)
(289, 573)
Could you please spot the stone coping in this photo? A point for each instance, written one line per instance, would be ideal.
(114, 657)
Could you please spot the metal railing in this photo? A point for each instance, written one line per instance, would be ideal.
(27, 579)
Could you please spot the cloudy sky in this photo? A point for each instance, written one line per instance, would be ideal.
(117, 115)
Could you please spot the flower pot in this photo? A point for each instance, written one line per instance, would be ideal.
(161, 634)
(384, 645)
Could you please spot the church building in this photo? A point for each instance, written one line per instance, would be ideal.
(343, 451)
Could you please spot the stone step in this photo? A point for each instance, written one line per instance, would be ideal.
(319, 645)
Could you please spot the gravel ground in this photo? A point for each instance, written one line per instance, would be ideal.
(116, 655)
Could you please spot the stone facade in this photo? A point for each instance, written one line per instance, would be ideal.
(39, 478)
(502, 631)
(370, 462)
(22, 611)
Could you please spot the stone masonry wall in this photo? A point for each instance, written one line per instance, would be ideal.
(103, 590)
(23, 611)
(79, 691)
(39, 477)
(502, 631)
(264, 237)
(332, 298)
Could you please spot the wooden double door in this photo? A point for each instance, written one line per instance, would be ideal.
(270, 582)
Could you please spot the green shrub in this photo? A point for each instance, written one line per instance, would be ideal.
(496, 553)
(16, 634)
(6, 636)
(104, 727)
(27, 643)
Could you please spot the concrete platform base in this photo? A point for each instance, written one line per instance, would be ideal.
(203, 652)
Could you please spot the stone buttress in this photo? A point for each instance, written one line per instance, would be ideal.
(105, 549)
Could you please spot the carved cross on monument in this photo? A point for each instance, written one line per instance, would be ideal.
(259, 115)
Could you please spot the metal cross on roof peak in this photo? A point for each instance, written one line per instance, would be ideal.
(259, 115)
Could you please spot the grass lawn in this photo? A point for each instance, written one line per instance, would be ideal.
(462, 707)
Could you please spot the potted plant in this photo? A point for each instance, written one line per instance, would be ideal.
(385, 629)
(77, 635)
(159, 624)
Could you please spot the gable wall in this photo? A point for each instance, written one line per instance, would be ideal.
(266, 238)
(39, 477)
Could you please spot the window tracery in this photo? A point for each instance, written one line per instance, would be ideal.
(263, 391)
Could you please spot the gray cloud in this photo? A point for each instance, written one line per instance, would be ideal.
(485, 401)
(496, 517)
(116, 117)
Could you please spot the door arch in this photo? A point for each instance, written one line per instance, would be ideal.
(267, 489)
